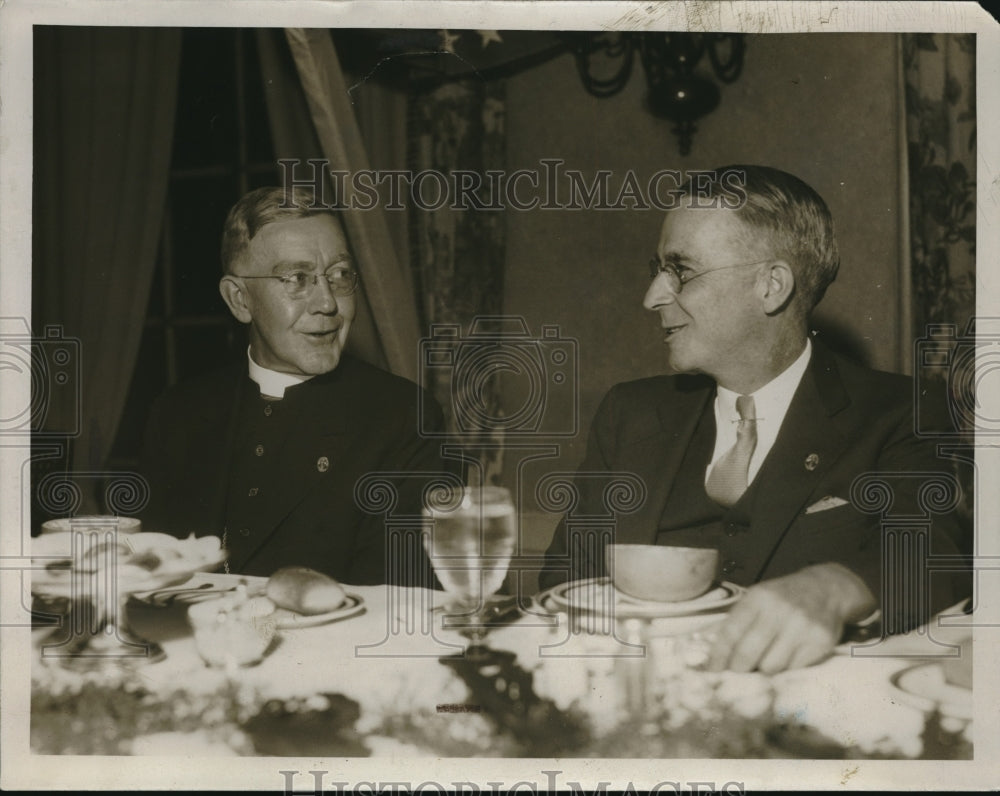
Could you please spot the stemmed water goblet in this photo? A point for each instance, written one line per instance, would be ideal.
(469, 538)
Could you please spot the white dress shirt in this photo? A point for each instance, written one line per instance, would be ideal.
(771, 403)
(272, 383)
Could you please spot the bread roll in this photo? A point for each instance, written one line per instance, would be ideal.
(304, 591)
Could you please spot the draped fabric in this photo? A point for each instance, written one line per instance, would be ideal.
(387, 330)
(458, 254)
(294, 137)
(104, 102)
(939, 73)
(940, 85)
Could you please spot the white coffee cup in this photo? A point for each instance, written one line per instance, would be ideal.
(661, 573)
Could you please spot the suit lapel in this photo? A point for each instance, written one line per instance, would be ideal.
(806, 448)
(657, 458)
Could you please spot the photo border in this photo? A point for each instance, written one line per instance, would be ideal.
(22, 770)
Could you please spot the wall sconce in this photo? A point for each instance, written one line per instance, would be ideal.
(674, 90)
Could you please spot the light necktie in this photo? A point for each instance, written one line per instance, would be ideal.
(728, 479)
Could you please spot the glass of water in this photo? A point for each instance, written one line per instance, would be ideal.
(469, 539)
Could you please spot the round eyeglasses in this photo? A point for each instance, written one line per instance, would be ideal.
(680, 275)
(297, 285)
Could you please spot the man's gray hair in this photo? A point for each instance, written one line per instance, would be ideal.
(792, 217)
(260, 207)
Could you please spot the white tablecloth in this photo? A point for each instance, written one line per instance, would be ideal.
(387, 660)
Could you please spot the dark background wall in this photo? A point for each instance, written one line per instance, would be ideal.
(823, 107)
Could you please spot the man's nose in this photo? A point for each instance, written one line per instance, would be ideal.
(321, 297)
(658, 293)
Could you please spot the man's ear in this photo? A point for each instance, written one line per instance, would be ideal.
(235, 297)
(779, 287)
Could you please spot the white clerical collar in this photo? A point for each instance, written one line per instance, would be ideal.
(272, 383)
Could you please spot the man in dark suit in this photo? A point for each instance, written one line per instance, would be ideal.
(268, 454)
(755, 448)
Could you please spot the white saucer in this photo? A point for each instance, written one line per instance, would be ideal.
(598, 596)
(290, 620)
(923, 686)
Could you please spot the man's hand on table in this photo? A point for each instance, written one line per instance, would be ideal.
(791, 621)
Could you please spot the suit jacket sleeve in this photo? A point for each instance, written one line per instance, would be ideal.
(897, 505)
(919, 484)
(572, 558)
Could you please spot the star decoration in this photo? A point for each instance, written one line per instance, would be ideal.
(488, 36)
(448, 40)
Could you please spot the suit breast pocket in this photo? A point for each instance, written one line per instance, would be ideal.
(841, 521)
(828, 516)
(835, 532)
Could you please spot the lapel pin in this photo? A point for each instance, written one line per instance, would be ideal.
(322, 464)
(812, 461)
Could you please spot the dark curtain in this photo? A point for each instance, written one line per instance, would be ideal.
(104, 102)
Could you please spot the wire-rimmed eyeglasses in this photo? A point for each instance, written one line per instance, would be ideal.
(343, 281)
(679, 275)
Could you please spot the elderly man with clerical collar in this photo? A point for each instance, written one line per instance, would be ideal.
(753, 448)
(267, 454)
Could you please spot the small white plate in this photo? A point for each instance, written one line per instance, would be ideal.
(203, 586)
(290, 620)
(597, 595)
(923, 686)
(53, 556)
